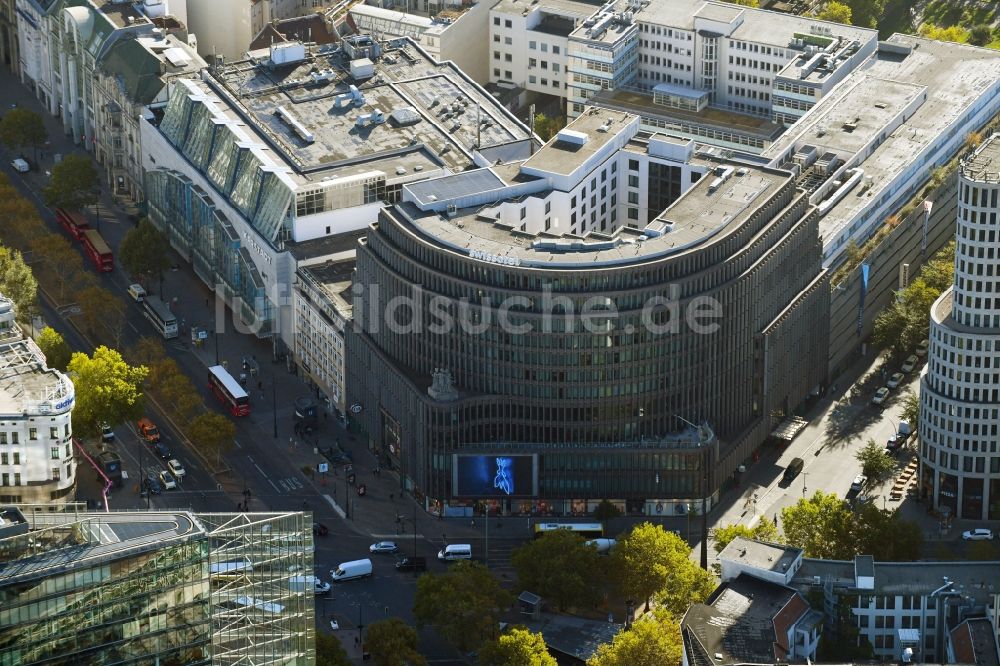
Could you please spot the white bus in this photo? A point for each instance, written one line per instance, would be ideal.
(160, 316)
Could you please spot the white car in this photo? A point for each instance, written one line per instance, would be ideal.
(167, 480)
(383, 547)
(880, 396)
(137, 292)
(176, 468)
(319, 587)
(978, 534)
(859, 482)
(895, 380)
(909, 364)
(922, 347)
(107, 433)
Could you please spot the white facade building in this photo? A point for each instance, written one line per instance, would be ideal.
(36, 448)
(960, 385)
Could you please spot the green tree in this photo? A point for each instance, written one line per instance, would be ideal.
(517, 647)
(951, 33)
(178, 395)
(559, 567)
(911, 409)
(866, 13)
(883, 534)
(74, 183)
(745, 3)
(143, 251)
(62, 262)
(547, 127)
(212, 434)
(980, 35)
(22, 127)
(651, 561)
(606, 511)
(19, 221)
(17, 283)
(392, 642)
(820, 525)
(329, 651)
(653, 640)
(835, 11)
(103, 313)
(148, 351)
(765, 530)
(57, 352)
(876, 464)
(107, 389)
(464, 604)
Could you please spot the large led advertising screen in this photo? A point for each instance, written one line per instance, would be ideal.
(494, 475)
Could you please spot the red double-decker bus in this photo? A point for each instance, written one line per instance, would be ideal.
(72, 221)
(98, 250)
(228, 391)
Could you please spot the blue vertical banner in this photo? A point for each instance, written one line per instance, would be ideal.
(865, 268)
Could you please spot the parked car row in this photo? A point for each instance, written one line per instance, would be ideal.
(897, 378)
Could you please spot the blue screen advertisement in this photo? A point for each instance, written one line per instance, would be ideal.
(494, 476)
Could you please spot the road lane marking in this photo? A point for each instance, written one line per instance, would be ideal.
(237, 444)
(260, 470)
(273, 486)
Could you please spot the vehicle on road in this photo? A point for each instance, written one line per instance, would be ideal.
(793, 469)
(111, 465)
(978, 534)
(229, 392)
(383, 547)
(585, 530)
(160, 449)
(160, 316)
(896, 379)
(880, 396)
(923, 347)
(351, 570)
(137, 292)
(334, 625)
(603, 546)
(303, 583)
(148, 430)
(412, 564)
(319, 529)
(72, 221)
(900, 438)
(456, 551)
(859, 482)
(152, 484)
(167, 479)
(107, 433)
(20, 165)
(176, 468)
(909, 364)
(98, 250)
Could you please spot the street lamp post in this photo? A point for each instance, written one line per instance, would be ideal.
(804, 474)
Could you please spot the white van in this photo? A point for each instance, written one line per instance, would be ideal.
(352, 570)
(456, 551)
(137, 292)
(20, 165)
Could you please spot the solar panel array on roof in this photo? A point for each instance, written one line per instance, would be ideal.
(405, 116)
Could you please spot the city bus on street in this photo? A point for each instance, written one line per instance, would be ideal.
(162, 319)
(72, 221)
(585, 530)
(228, 391)
(98, 250)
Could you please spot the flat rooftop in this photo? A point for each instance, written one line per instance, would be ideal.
(954, 76)
(758, 25)
(334, 278)
(760, 554)
(643, 105)
(66, 541)
(445, 100)
(26, 384)
(564, 157)
(694, 220)
(984, 164)
(578, 8)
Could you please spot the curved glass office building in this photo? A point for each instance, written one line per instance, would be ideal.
(548, 371)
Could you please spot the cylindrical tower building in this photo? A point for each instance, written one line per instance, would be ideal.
(960, 386)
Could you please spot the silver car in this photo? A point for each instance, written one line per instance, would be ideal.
(383, 547)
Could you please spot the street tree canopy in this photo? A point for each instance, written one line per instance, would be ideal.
(866, 13)
(107, 389)
(22, 127)
(329, 651)
(559, 567)
(57, 352)
(765, 530)
(653, 640)
(911, 409)
(464, 604)
(212, 433)
(835, 11)
(17, 282)
(517, 647)
(143, 250)
(876, 464)
(74, 183)
(392, 642)
(651, 561)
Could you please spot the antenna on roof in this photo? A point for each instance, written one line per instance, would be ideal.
(531, 127)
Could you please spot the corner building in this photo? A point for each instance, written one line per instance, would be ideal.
(960, 386)
(607, 409)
